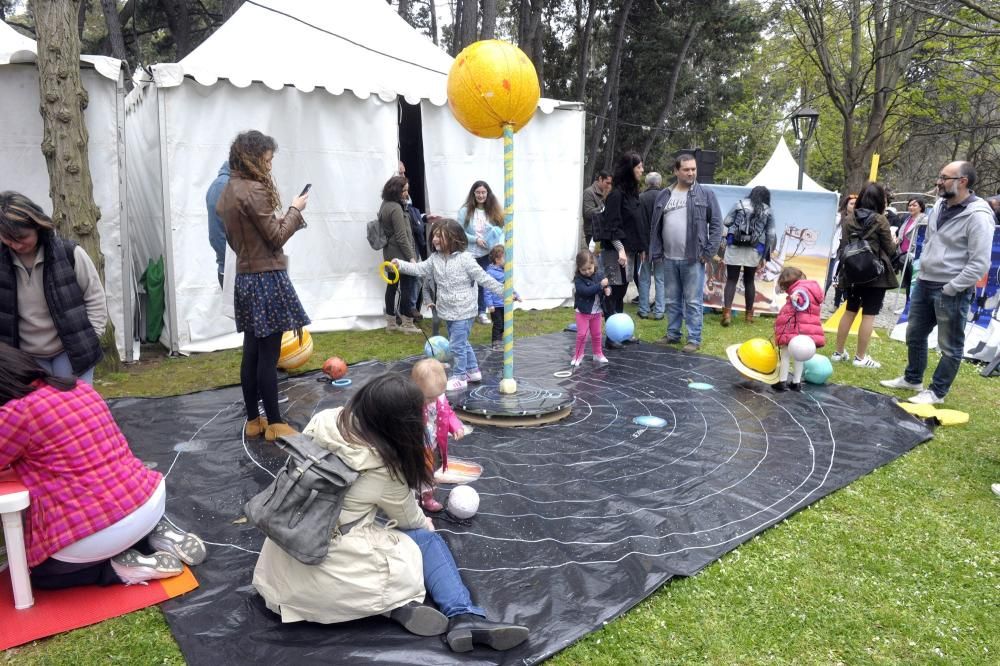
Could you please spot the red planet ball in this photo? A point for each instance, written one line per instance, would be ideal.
(334, 367)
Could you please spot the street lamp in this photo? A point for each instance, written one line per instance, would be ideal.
(804, 124)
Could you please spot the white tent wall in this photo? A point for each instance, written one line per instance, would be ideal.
(24, 170)
(548, 160)
(344, 146)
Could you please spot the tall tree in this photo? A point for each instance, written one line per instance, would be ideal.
(466, 25)
(584, 36)
(115, 37)
(488, 29)
(610, 84)
(64, 135)
(862, 48)
(179, 21)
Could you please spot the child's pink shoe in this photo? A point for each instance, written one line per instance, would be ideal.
(428, 502)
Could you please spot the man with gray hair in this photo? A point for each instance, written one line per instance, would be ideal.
(647, 270)
(956, 254)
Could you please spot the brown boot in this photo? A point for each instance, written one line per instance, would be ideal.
(276, 430)
(748, 317)
(255, 427)
(408, 326)
(390, 323)
(727, 316)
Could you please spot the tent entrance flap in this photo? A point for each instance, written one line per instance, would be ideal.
(411, 152)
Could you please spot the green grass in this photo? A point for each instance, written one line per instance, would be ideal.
(901, 567)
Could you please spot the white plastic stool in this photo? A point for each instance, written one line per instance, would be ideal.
(13, 500)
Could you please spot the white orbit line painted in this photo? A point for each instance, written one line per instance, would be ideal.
(243, 440)
(712, 529)
(204, 425)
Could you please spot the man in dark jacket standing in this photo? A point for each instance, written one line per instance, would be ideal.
(686, 229)
(593, 202)
(646, 269)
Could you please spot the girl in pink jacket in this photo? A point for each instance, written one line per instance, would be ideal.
(799, 316)
(439, 421)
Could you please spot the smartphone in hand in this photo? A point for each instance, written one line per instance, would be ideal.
(305, 190)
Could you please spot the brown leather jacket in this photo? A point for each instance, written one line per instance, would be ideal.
(253, 230)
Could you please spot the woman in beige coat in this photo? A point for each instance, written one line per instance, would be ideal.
(373, 568)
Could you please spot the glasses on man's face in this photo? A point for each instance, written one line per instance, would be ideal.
(944, 179)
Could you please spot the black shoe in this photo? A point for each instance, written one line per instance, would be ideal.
(667, 340)
(657, 317)
(611, 344)
(795, 386)
(635, 301)
(642, 315)
(467, 630)
(779, 387)
(419, 619)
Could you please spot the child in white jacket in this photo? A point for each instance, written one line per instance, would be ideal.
(455, 273)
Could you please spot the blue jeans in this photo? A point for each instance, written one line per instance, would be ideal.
(461, 349)
(684, 284)
(59, 366)
(929, 306)
(441, 578)
(411, 298)
(648, 270)
(660, 305)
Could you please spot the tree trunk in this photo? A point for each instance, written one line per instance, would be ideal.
(675, 75)
(466, 24)
(115, 37)
(404, 10)
(489, 27)
(64, 136)
(81, 19)
(610, 82)
(531, 33)
(434, 22)
(583, 53)
(179, 23)
(229, 8)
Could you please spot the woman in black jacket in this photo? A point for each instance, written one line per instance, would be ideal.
(621, 242)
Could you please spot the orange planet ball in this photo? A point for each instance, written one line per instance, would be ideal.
(334, 367)
(492, 84)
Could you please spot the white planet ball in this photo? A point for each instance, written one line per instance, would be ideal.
(463, 502)
(802, 348)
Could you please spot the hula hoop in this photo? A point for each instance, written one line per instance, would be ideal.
(341, 382)
(386, 266)
(562, 374)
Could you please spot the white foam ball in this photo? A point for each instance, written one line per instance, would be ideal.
(802, 348)
(463, 502)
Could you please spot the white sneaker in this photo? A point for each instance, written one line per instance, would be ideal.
(456, 384)
(996, 489)
(840, 356)
(135, 568)
(186, 547)
(601, 360)
(901, 383)
(866, 362)
(926, 397)
(484, 319)
(474, 376)
(576, 361)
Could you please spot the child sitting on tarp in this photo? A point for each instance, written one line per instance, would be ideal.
(439, 421)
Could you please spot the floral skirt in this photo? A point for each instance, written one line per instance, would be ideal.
(617, 274)
(266, 303)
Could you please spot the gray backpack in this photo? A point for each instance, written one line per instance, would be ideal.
(376, 234)
(299, 510)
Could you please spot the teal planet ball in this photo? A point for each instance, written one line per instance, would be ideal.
(438, 348)
(817, 369)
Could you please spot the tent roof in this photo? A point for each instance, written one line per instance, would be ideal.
(16, 48)
(359, 45)
(782, 172)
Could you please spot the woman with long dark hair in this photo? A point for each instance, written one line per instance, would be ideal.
(621, 241)
(52, 303)
(481, 216)
(374, 567)
(96, 513)
(265, 301)
(868, 223)
(749, 238)
(908, 240)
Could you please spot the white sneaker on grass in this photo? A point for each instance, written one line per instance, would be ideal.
(901, 383)
(866, 362)
(996, 489)
(926, 397)
(840, 356)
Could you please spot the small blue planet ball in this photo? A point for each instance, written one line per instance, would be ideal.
(619, 327)
(437, 347)
(817, 369)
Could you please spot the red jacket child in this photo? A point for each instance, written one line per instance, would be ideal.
(800, 314)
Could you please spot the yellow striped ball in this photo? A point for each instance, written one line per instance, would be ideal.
(295, 352)
(492, 84)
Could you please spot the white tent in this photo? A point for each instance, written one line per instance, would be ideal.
(324, 79)
(782, 172)
(23, 165)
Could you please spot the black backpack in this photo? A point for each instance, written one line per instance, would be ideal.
(745, 228)
(860, 263)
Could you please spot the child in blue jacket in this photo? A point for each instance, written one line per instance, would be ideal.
(588, 284)
(494, 303)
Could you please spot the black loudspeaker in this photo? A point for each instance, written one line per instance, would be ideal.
(706, 160)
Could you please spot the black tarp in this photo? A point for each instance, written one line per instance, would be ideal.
(579, 521)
